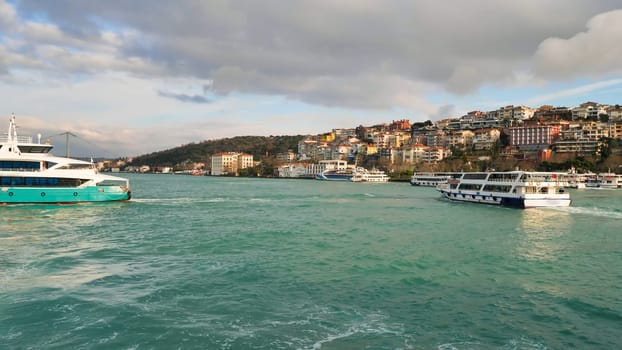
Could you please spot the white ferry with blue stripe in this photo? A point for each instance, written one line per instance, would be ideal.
(428, 179)
(30, 174)
(519, 189)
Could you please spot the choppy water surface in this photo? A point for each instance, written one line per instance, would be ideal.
(234, 263)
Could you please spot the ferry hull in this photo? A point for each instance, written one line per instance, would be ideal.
(14, 195)
(512, 202)
(333, 177)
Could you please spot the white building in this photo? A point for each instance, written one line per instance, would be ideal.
(292, 170)
(230, 163)
(485, 138)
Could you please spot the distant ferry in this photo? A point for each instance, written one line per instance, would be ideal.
(604, 180)
(519, 189)
(574, 180)
(335, 175)
(374, 175)
(432, 179)
(29, 174)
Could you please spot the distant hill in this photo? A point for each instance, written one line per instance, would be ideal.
(258, 146)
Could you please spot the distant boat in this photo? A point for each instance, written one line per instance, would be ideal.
(519, 189)
(374, 175)
(604, 180)
(573, 179)
(335, 175)
(430, 179)
(30, 174)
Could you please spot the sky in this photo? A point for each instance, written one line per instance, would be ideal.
(135, 77)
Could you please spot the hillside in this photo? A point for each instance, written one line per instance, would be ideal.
(258, 146)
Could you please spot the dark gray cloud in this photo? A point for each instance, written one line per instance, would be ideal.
(352, 53)
(184, 97)
(444, 112)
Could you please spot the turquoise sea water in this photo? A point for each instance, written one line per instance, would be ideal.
(236, 263)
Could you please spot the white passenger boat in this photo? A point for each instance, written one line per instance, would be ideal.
(335, 175)
(519, 189)
(605, 181)
(30, 174)
(575, 179)
(431, 179)
(374, 175)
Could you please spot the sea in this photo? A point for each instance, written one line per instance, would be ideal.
(198, 262)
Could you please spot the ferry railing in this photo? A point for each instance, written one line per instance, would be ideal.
(20, 169)
(20, 139)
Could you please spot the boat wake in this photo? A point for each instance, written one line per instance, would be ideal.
(358, 331)
(593, 211)
(181, 200)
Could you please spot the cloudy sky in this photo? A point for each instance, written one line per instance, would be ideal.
(132, 77)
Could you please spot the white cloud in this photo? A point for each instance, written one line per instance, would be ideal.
(593, 53)
(296, 49)
(8, 17)
(583, 90)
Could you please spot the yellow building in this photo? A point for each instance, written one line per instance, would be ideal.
(328, 137)
(371, 149)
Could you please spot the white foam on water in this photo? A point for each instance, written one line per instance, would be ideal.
(178, 200)
(599, 212)
(260, 200)
(373, 324)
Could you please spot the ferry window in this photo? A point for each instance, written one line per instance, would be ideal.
(475, 176)
(18, 165)
(41, 181)
(474, 187)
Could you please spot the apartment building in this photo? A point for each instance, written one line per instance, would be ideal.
(484, 138)
(226, 163)
(532, 137)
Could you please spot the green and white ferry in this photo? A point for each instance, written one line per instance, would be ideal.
(30, 174)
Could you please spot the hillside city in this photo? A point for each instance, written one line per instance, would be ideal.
(587, 137)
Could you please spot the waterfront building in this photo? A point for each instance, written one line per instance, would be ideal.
(291, 170)
(230, 163)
